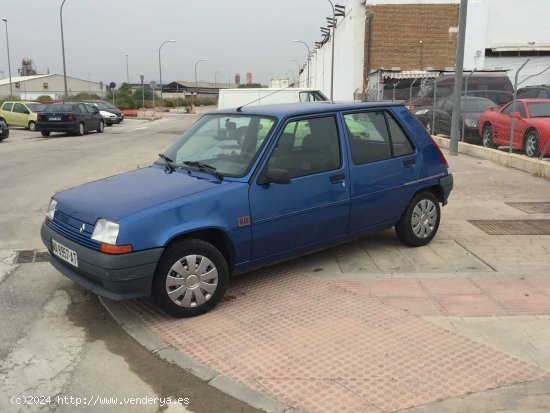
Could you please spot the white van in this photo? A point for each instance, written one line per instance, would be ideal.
(232, 98)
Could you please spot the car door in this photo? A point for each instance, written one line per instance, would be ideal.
(314, 206)
(19, 115)
(6, 112)
(383, 168)
(445, 116)
(85, 116)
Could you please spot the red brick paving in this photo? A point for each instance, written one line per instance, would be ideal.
(348, 346)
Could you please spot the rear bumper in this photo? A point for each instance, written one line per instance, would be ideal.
(446, 184)
(117, 277)
(57, 126)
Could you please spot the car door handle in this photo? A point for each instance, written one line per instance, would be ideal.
(409, 162)
(337, 178)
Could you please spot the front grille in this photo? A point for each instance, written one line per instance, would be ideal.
(69, 227)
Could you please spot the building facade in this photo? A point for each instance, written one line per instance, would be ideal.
(52, 85)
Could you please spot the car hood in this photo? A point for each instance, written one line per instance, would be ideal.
(121, 195)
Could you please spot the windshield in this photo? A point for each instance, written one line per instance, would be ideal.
(59, 107)
(36, 107)
(539, 109)
(228, 143)
(477, 105)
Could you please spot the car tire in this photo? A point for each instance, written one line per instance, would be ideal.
(420, 221)
(177, 285)
(101, 127)
(531, 143)
(81, 129)
(32, 126)
(487, 136)
(45, 133)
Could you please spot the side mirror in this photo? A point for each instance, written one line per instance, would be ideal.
(275, 176)
(516, 115)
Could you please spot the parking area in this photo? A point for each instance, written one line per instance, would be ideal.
(374, 326)
(461, 325)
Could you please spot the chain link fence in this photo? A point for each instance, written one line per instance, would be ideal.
(489, 114)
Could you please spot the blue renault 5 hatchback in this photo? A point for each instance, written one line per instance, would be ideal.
(245, 188)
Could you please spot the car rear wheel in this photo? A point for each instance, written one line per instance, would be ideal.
(190, 279)
(531, 143)
(81, 129)
(45, 133)
(101, 127)
(487, 136)
(420, 221)
(32, 126)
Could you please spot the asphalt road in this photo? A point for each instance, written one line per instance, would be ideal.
(55, 338)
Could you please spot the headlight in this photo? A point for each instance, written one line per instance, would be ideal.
(51, 209)
(105, 231)
(471, 123)
(421, 111)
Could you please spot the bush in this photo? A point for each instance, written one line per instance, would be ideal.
(44, 98)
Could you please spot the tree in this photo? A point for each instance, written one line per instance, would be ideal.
(251, 85)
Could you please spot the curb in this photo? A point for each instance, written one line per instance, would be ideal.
(535, 167)
(131, 324)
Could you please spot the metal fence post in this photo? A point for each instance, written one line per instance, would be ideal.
(432, 129)
(394, 86)
(411, 90)
(464, 103)
(513, 123)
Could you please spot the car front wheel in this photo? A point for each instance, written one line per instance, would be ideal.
(101, 127)
(487, 136)
(420, 221)
(190, 279)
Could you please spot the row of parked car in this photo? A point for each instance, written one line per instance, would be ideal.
(488, 112)
(70, 117)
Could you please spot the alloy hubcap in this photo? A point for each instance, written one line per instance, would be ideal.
(531, 145)
(424, 218)
(486, 137)
(192, 281)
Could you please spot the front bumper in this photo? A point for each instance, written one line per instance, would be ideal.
(117, 277)
(446, 184)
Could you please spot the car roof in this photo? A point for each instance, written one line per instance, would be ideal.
(532, 100)
(296, 109)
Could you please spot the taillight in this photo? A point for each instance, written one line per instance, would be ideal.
(441, 154)
(70, 118)
(40, 118)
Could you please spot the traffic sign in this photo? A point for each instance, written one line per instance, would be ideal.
(112, 85)
(153, 84)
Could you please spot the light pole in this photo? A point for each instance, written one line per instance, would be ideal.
(63, 49)
(332, 41)
(299, 67)
(308, 57)
(293, 77)
(196, 82)
(160, 66)
(8, 47)
(127, 72)
(216, 76)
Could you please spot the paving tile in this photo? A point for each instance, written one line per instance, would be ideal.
(454, 286)
(471, 305)
(416, 305)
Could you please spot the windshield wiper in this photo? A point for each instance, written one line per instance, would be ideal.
(169, 162)
(205, 168)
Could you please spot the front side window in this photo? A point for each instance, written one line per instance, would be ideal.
(308, 147)
(227, 143)
(19, 108)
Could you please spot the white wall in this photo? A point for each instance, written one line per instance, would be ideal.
(32, 88)
(348, 56)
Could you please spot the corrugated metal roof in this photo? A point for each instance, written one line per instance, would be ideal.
(14, 79)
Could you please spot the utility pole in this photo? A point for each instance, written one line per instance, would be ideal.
(453, 145)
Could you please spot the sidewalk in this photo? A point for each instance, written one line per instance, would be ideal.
(462, 325)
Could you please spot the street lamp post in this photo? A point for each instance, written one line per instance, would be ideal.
(160, 66)
(63, 49)
(8, 47)
(299, 67)
(127, 71)
(216, 76)
(332, 41)
(293, 76)
(196, 81)
(308, 57)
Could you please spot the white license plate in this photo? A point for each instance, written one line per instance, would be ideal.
(66, 254)
(55, 118)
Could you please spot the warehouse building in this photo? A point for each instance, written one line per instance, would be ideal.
(52, 85)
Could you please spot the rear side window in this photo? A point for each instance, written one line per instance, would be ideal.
(7, 106)
(375, 136)
(308, 147)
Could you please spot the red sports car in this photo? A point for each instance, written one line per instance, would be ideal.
(531, 128)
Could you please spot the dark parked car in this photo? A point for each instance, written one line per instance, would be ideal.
(303, 177)
(472, 108)
(108, 107)
(534, 92)
(77, 118)
(4, 130)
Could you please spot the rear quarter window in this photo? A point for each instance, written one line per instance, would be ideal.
(7, 106)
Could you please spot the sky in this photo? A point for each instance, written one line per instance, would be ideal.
(238, 36)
